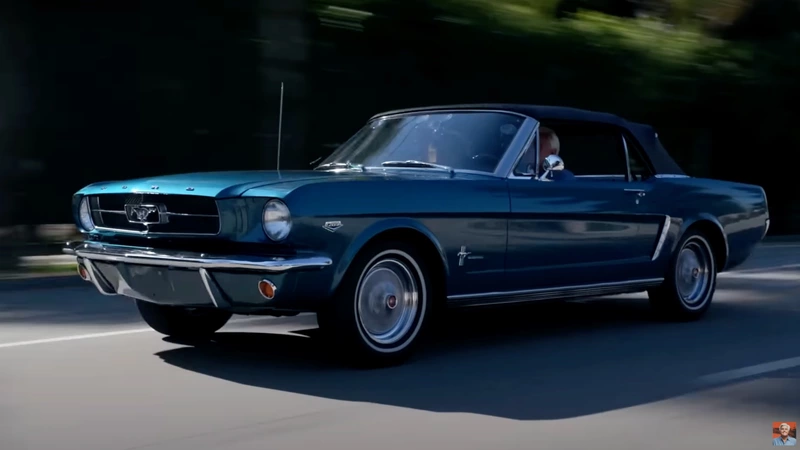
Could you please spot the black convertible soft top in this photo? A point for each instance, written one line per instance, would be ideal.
(661, 160)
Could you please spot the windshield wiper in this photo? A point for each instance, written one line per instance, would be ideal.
(340, 165)
(415, 163)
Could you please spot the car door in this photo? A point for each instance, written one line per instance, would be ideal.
(590, 230)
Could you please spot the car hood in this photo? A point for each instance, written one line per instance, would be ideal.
(236, 183)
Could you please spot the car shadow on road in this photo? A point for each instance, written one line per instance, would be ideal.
(534, 362)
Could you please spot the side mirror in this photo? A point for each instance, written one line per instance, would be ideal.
(551, 164)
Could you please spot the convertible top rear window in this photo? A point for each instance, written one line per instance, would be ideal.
(460, 140)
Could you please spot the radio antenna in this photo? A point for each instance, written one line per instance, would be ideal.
(280, 127)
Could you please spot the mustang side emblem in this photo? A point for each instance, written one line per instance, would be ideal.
(332, 225)
(464, 254)
(146, 214)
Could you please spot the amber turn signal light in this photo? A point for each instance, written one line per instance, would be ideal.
(267, 289)
(84, 274)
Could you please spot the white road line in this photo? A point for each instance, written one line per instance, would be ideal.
(767, 276)
(734, 273)
(746, 372)
(779, 244)
(110, 334)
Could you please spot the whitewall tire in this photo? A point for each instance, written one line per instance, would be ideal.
(690, 281)
(381, 308)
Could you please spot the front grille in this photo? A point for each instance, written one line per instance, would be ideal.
(156, 213)
(208, 245)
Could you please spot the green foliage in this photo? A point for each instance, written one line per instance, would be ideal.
(713, 101)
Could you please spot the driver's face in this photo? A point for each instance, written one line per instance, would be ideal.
(784, 431)
(546, 150)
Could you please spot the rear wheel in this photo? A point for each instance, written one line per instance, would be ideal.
(181, 322)
(690, 281)
(381, 308)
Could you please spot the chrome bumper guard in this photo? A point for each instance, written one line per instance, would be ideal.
(96, 251)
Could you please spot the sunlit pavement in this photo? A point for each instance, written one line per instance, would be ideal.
(81, 371)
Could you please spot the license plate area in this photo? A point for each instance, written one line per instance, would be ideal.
(157, 284)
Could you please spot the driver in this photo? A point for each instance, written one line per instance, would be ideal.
(549, 144)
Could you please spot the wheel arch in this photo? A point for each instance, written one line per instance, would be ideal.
(713, 230)
(405, 230)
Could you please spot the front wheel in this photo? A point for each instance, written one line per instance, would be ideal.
(381, 308)
(690, 281)
(181, 322)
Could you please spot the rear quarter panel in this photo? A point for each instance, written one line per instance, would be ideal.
(739, 210)
(465, 210)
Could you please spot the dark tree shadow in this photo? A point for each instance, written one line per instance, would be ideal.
(538, 362)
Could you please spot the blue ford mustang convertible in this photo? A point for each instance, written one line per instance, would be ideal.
(440, 206)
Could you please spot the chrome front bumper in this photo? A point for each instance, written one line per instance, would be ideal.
(185, 278)
(96, 251)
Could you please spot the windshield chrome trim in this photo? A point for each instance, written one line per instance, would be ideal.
(515, 147)
(514, 151)
(444, 111)
(627, 158)
(510, 173)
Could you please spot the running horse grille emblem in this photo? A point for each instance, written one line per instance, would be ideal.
(146, 214)
(142, 212)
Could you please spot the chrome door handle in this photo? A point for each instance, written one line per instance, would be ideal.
(638, 192)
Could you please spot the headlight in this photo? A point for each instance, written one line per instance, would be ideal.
(276, 220)
(85, 215)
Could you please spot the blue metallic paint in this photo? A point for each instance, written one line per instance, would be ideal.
(216, 184)
(591, 227)
(527, 238)
(528, 234)
(466, 209)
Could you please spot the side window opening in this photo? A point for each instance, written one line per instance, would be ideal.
(591, 150)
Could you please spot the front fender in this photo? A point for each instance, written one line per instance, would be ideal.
(372, 231)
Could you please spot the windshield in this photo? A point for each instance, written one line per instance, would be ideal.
(458, 140)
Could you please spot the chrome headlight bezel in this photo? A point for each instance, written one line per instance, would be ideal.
(85, 215)
(276, 220)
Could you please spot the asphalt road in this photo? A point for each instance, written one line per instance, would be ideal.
(80, 371)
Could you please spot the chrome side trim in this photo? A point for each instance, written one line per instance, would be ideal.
(662, 238)
(187, 260)
(213, 290)
(561, 292)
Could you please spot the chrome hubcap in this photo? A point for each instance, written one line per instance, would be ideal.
(692, 273)
(387, 301)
